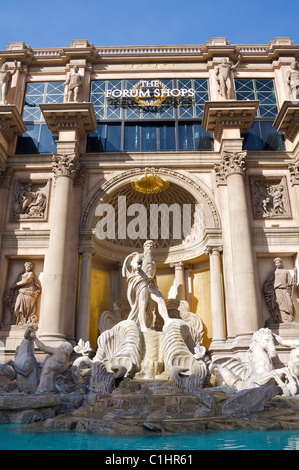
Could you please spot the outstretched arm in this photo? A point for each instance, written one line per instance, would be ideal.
(42, 346)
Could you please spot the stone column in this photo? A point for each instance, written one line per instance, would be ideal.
(71, 121)
(55, 281)
(227, 119)
(179, 278)
(217, 304)
(83, 319)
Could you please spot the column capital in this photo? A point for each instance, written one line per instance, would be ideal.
(231, 163)
(228, 114)
(177, 265)
(11, 122)
(287, 119)
(210, 250)
(65, 164)
(87, 249)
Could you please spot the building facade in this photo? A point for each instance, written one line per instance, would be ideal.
(94, 140)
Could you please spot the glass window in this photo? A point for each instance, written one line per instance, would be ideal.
(38, 138)
(147, 122)
(113, 138)
(167, 137)
(262, 135)
(132, 138)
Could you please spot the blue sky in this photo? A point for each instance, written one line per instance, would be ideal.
(56, 23)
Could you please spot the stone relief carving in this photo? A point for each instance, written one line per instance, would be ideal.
(5, 77)
(72, 85)
(22, 297)
(292, 77)
(260, 369)
(294, 171)
(223, 75)
(277, 290)
(270, 197)
(31, 199)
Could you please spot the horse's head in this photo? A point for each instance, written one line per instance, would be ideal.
(263, 338)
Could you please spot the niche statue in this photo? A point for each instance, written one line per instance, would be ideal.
(23, 296)
(278, 294)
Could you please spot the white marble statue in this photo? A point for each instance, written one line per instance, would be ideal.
(23, 296)
(56, 363)
(278, 294)
(142, 291)
(5, 77)
(223, 75)
(260, 369)
(72, 85)
(293, 81)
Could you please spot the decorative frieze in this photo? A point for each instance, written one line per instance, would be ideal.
(270, 197)
(31, 200)
(231, 162)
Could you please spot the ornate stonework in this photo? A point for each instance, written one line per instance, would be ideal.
(270, 197)
(231, 162)
(31, 200)
(65, 165)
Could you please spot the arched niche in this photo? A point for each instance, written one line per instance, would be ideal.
(182, 189)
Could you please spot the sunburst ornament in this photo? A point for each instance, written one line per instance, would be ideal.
(150, 183)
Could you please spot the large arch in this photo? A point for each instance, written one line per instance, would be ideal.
(194, 191)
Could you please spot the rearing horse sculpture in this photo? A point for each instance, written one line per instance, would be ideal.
(260, 369)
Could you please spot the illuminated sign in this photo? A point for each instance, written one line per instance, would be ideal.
(150, 93)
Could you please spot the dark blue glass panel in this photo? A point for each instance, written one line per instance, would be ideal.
(186, 136)
(167, 137)
(113, 138)
(96, 140)
(203, 139)
(272, 140)
(149, 138)
(28, 142)
(253, 138)
(132, 138)
(47, 140)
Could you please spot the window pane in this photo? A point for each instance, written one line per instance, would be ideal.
(149, 138)
(47, 140)
(132, 138)
(272, 140)
(253, 138)
(167, 137)
(186, 137)
(113, 139)
(96, 140)
(28, 142)
(203, 139)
